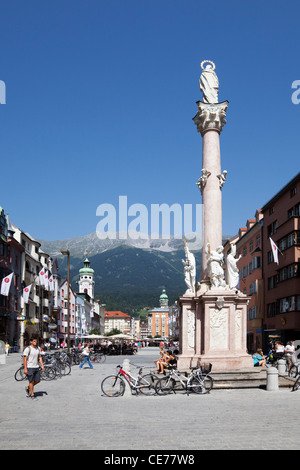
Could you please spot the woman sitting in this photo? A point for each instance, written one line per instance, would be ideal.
(259, 359)
(165, 361)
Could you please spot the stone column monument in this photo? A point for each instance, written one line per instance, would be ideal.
(213, 318)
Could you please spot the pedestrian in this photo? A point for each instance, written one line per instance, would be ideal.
(86, 354)
(279, 349)
(290, 354)
(259, 359)
(32, 360)
(7, 347)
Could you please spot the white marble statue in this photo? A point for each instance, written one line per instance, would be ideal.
(232, 271)
(189, 270)
(209, 83)
(222, 178)
(215, 261)
(203, 179)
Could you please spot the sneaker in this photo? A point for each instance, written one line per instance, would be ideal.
(27, 392)
(34, 398)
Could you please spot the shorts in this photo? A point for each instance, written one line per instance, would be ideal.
(34, 374)
(291, 360)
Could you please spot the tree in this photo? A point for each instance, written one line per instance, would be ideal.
(113, 332)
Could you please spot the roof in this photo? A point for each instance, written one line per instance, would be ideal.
(116, 314)
(281, 192)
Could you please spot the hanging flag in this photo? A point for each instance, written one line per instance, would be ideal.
(42, 277)
(274, 251)
(26, 292)
(46, 280)
(5, 285)
(51, 283)
(92, 313)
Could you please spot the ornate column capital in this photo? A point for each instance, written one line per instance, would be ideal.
(210, 116)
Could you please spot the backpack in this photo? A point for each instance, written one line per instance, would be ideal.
(29, 347)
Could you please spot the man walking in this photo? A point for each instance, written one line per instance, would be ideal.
(32, 361)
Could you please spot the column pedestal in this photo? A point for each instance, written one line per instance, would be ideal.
(213, 328)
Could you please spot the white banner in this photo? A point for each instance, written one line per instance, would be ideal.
(5, 285)
(51, 284)
(42, 277)
(26, 292)
(46, 280)
(274, 250)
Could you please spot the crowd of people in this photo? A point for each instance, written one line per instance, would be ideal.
(277, 350)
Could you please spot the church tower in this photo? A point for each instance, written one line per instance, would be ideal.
(86, 279)
(164, 299)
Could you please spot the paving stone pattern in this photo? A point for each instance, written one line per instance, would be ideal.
(72, 413)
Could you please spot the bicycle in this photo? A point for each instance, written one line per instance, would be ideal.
(198, 381)
(47, 374)
(20, 375)
(114, 385)
(273, 362)
(97, 357)
(296, 385)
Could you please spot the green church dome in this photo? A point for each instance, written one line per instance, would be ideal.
(86, 269)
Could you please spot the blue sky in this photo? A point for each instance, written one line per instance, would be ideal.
(100, 97)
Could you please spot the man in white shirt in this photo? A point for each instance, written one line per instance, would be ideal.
(32, 361)
(290, 354)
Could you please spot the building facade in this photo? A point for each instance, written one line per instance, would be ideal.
(117, 320)
(281, 216)
(273, 287)
(158, 318)
(249, 249)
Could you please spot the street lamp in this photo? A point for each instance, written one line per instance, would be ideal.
(66, 252)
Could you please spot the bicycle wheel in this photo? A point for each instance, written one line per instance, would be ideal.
(293, 371)
(49, 373)
(65, 368)
(165, 385)
(102, 358)
(146, 384)
(113, 386)
(200, 384)
(19, 375)
(296, 384)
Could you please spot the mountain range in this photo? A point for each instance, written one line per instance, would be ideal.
(129, 274)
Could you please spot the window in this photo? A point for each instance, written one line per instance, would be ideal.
(287, 304)
(271, 309)
(257, 240)
(272, 228)
(256, 262)
(288, 272)
(272, 282)
(253, 288)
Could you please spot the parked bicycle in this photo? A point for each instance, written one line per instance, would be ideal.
(296, 385)
(273, 362)
(114, 385)
(198, 381)
(96, 357)
(48, 374)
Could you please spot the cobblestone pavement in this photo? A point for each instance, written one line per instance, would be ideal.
(72, 413)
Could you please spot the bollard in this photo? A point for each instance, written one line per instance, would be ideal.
(281, 366)
(126, 367)
(272, 379)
